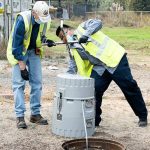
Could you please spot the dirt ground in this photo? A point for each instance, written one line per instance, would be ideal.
(118, 121)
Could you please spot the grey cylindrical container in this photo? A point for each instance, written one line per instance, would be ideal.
(74, 95)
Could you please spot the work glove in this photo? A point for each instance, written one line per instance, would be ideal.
(25, 74)
(50, 43)
(83, 39)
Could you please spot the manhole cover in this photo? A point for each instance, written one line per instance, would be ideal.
(93, 144)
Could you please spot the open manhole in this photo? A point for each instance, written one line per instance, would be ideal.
(93, 144)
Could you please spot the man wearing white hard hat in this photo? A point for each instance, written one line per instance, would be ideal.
(24, 53)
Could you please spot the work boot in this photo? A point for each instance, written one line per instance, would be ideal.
(96, 124)
(38, 119)
(97, 121)
(21, 123)
(142, 122)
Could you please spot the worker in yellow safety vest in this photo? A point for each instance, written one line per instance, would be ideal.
(100, 57)
(24, 53)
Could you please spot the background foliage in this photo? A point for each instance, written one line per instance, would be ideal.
(138, 5)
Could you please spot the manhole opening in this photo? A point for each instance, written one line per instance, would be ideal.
(93, 144)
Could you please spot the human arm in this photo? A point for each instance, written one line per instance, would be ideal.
(90, 26)
(18, 38)
(72, 68)
(17, 46)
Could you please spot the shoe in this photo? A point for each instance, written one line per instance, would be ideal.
(142, 123)
(38, 119)
(96, 124)
(21, 123)
(97, 121)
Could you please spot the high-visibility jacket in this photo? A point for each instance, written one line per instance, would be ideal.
(102, 47)
(28, 30)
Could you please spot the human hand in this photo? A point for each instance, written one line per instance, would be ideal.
(25, 74)
(83, 39)
(22, 65)
(50, 43)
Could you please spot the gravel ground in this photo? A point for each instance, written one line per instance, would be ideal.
(118, 121)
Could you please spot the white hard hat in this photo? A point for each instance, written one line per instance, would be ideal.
(42, 10)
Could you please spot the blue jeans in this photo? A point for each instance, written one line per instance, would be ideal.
(123, 78)
(33, 63)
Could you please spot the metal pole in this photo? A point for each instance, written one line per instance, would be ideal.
(11, 13)
(85, 8)
(4, 19)
(67, 45)
(20, 5)
(59, 3)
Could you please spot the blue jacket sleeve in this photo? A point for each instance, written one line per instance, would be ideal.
(72, 68)
(91, 26)
(18, 37)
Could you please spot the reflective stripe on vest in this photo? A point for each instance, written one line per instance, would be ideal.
(28, 28)
(102, 47)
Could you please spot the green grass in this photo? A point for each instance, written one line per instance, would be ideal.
(130, 38)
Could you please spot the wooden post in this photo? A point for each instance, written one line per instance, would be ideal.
(141, 18)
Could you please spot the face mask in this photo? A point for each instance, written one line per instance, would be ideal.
(38, 21)
(70, 38)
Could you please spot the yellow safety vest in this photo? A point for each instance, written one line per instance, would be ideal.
(102, 47)
(28, 30)
(84, 66)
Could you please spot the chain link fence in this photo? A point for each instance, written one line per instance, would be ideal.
(109, 18)
(122, 18)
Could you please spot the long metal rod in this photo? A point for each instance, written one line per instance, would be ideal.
(85, 126)
(67, 45)
(60, 42)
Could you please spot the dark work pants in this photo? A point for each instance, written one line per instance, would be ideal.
(123, 78)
